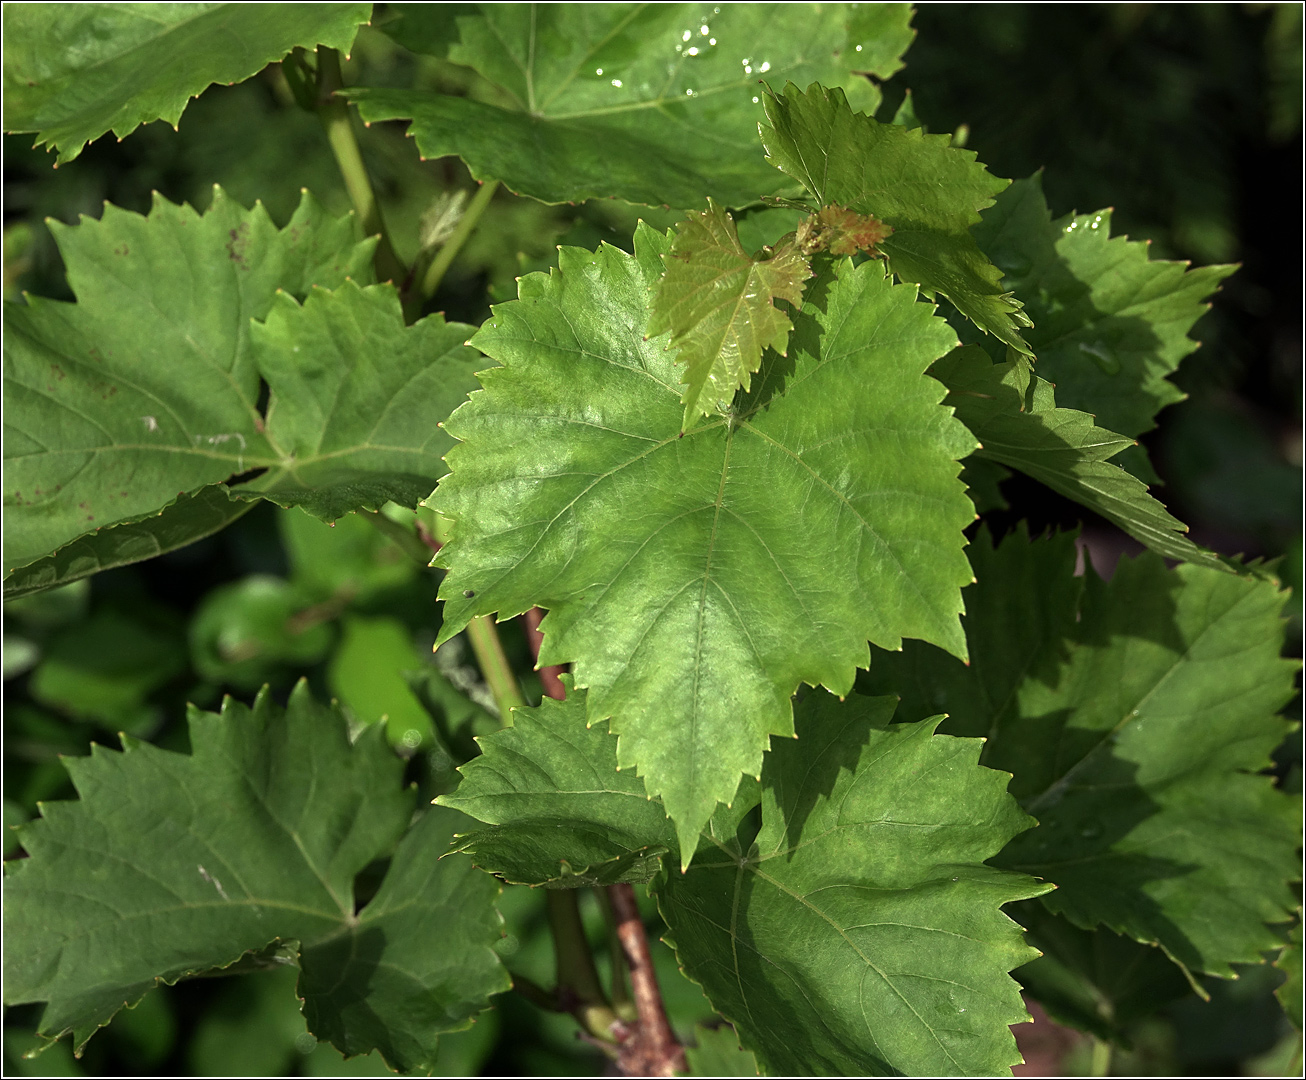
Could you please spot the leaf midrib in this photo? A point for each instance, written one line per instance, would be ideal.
(1058, 786)
(781, 887)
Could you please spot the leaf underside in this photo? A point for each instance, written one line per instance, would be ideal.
(1014, 415)
(189, 518)
(75, 71)
(688, 579)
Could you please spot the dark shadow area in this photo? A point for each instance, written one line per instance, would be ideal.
(751, 971)
(772, 378)
(831, 737)
(1096, 980)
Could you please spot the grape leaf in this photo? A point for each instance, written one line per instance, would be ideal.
(1109, 325)
(156, 351)
(1289, 961)
(187, 519)
(844, 232)
(357, 400)
(173, 864)
(567, 817)
(74, 71)
(1094, 980)
(147, 388)
(717, 1053)
(1134, 716)
(718, 302)
(928, 191)
(689, 578)
(419, 960)
(651, 103)
(249, 631)
(1014, 415)
(860, 934)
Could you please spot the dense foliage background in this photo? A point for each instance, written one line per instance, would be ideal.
(1186, 118)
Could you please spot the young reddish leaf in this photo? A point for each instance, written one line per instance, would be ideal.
(719, 304)
(846, 232)
(928, 190)
(651, 103)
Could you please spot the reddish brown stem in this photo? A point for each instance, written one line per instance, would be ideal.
(652, 1050)
(650, 1047)
(548, 675)
(428, 538)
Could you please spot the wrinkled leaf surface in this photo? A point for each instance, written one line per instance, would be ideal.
(696, 580)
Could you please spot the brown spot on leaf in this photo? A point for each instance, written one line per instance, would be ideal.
(237, 244)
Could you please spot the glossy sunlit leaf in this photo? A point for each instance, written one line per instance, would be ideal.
(652, 103)
(1109, 325)
(696, 580)
(1014, 415)
(74, 71)
(566, 817)
(148, 386)
(719, 304)
(928, 191)
(189, 518)
(1135, 716)
(173, 864)
(861, 934)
